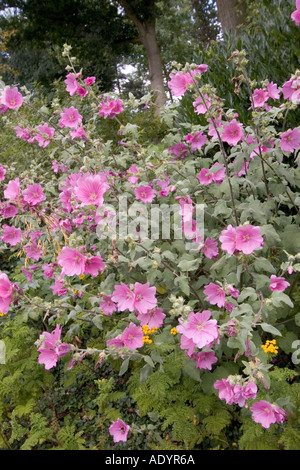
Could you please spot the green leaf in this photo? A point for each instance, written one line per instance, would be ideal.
(270, 329)
(124, 366)
(145, 372)
(279, 298)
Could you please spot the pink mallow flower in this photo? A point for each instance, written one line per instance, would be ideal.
(71, 83)
(179, 83)
(33, 194)
(210, 248)
(44, 136)
(278, 283)
(93, 265)
(58, 287)
(154, 318)
(107, 306)
(296, 14)
(145, 193)
(110, 108)
(12, 190)
(119, 430)
(200, 329)
(215, 295)
(132, 336)
(205, 359)
(266, 414)
(260, 97)
(71, 261)
(290, 140)
(52, 348)
(233, 391)
(90, 189)
(11, 98)
(142, 298)
(196, 141)
(6, 292)
(11, 235)
(248, 239)
(244, 238)
(33, 251)
(232, 133)
(70, 117)
(2, 172)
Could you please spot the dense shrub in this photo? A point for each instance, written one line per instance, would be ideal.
(117, 337)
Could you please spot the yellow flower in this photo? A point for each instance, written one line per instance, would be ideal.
(173, 331)
(270, 346)
(2, 314)
(82, 276)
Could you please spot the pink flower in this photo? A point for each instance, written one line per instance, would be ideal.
(278, 283)
(46, 133)
(248, 238)
(9, 211)
(124, 297)
(266, 414)
(144, 297)
(93, 265)
(6, 287)
(33, 194)
(228, 239)
(205, 176)
(202, 105)
(90, 189)
(107, 305)
(58, 287)
(296, 14)
(215, 294)
(210, 248)
(52, 348)
(291, 89)
(48, 270)
(132, 336)
(110, 108)
(11, 97)
(180, 150)
(290, 140)
(12, 190)
(89, 80)
(225, 390)
(11, 235)
(260, 96)
(219, 175)
(154, 318)
(205, 359)
(197, 140)
(33, 251)
(145, 193)
(200, 329)
(273, 91)
(71, 261)
(233, 391)
(71, 83)
(79, 133)
(119, 430)
(70, 117)
(179, 83)
(232, 133)
(2, 172)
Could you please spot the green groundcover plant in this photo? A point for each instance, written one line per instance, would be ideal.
(149, 268)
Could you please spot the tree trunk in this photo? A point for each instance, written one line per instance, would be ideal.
(147, 33)
(232, 13)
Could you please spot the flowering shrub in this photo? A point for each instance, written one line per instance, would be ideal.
(166, 327)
